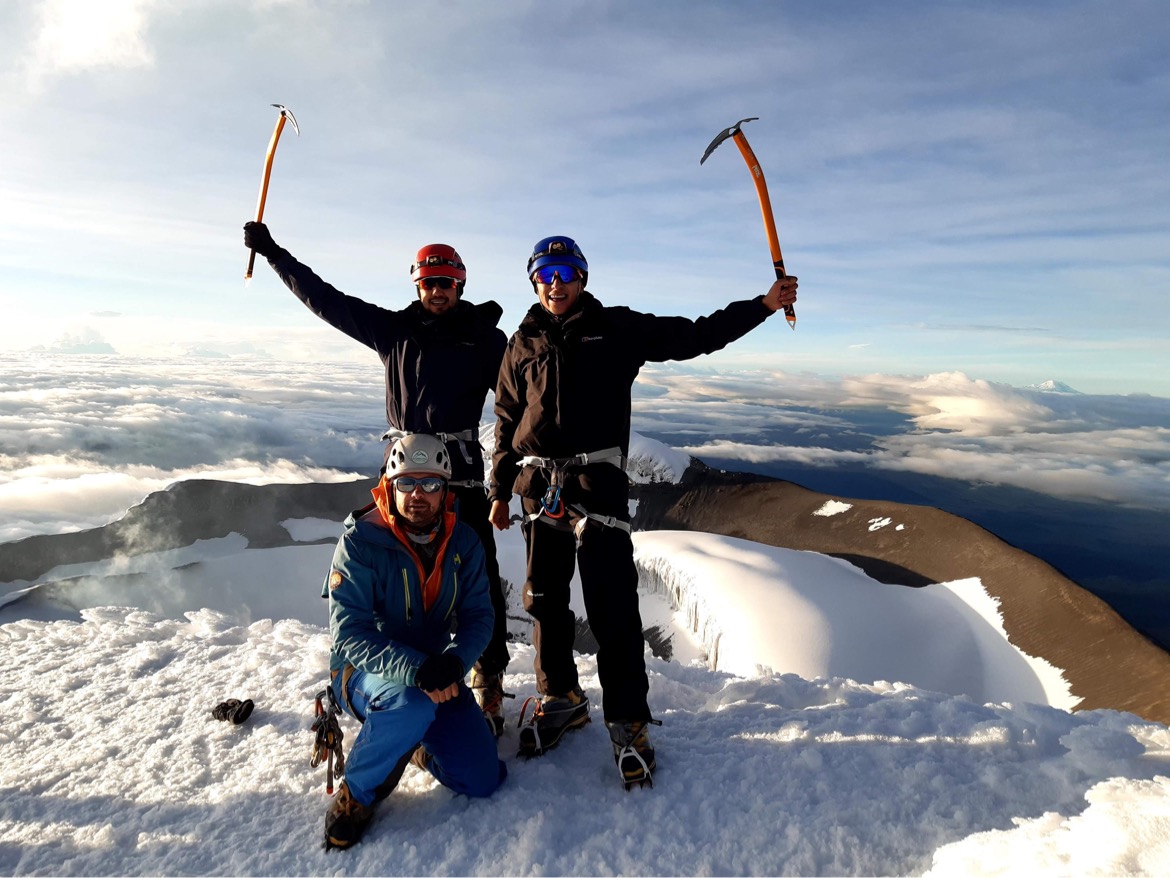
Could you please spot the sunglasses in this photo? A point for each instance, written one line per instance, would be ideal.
(545, 274)
(440, 283)
(429, 484)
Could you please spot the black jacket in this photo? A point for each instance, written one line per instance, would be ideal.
(438, 369)
(565, 383)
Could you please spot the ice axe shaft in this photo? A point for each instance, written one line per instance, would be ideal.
(285, 115)
(736, 134)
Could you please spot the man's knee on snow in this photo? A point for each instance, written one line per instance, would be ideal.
(477, 781)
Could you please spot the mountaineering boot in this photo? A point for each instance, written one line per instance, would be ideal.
(421, 758)
(489, 692)
(633, 752)
(346, 820)
(550, 719)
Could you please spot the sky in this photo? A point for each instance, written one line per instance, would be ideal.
(976, 188)
(781, 751)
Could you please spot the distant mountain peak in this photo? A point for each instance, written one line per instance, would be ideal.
(1052, 386)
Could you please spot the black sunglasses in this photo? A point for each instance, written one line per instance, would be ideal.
(441, 283)
(429, 484)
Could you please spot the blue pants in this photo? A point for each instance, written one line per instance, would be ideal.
(396, 718)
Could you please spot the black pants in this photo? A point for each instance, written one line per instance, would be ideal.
(609, 586)
(473, 510)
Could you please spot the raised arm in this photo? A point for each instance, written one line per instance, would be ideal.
(357, 318)
(680, 338)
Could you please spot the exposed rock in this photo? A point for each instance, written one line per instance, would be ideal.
(196, 509)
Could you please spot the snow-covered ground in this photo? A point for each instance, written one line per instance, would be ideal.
(781, 749)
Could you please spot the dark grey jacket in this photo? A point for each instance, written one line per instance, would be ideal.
(438, 369)
(564, 388)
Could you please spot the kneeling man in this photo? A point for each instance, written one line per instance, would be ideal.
(409, 614)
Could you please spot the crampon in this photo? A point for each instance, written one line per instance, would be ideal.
(633, 753)
(550, 719)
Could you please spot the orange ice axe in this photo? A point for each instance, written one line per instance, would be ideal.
(285, 114)
(753, 164)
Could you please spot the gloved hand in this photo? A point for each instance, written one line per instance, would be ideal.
(438, 672)
(258, 238)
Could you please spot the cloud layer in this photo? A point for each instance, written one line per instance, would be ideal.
(1068, 445)
(85, 437)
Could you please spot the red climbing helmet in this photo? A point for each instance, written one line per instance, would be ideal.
(438, 260)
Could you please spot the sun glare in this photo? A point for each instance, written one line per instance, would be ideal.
(80, 34)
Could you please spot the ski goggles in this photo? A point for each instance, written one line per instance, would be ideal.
(546, 273)
(437, 283)
(429, 484)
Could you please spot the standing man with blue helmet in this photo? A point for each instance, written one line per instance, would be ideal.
(562, 437)
(441, 356)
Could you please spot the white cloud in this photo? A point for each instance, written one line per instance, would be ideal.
(1073, 446)
(59, 494)
(85, 437)
(74, 36)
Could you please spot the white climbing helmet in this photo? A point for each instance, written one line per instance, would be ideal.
(416, 454)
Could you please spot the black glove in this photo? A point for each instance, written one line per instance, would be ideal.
(234, 709)
(258, 238)
(438, 672)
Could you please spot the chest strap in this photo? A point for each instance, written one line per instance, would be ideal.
(465, 483)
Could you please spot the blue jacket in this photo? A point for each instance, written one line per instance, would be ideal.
(376, 615)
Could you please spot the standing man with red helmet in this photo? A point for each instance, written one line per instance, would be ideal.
(562, 437)
(441, 355)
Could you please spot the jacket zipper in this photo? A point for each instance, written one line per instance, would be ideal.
(406, 592)
(455, 596)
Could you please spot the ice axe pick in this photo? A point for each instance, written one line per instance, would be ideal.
(753, 164)
(285, 114)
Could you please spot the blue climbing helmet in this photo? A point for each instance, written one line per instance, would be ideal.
(558, 250)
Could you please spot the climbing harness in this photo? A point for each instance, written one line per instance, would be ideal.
(552, 507)
(327, 746)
